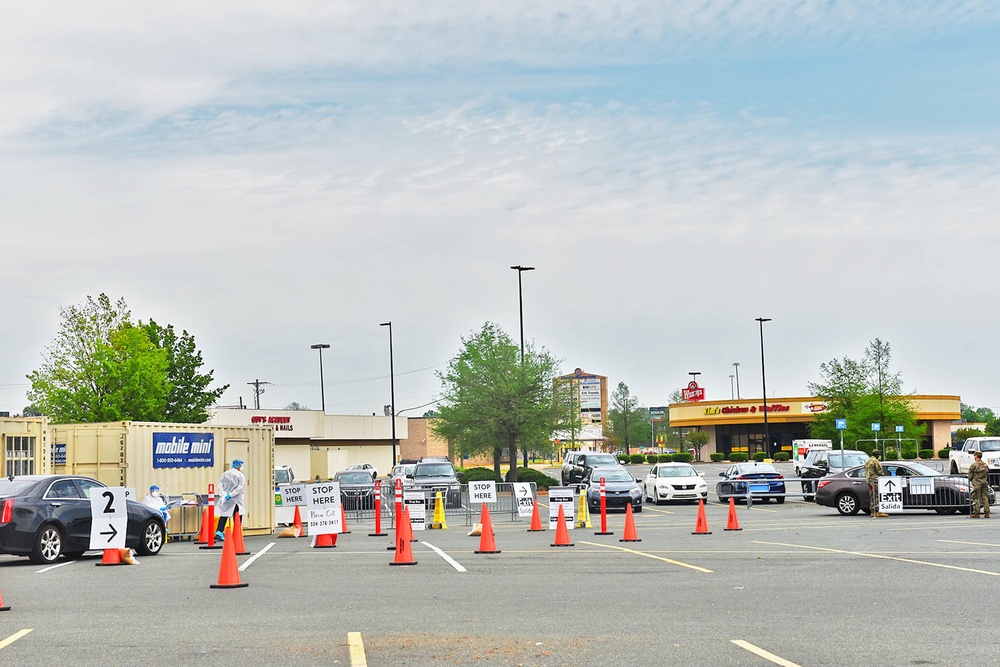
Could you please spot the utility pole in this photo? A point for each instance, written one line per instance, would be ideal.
(258, 389)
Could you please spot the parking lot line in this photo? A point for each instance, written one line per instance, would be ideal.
(14, 637)
(756, 650)
(647, 555)
(356, 648)
(249, 561)
(451, 561)
(884, 557)
(975, 544)
(52, 567)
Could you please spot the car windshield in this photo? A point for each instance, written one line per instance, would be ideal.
(601, 460)
(403, 470)
(282, 476)
(847, 459)
(677, 471)
(611, 475)
(354, 478)
(989, 445)
(435, 470)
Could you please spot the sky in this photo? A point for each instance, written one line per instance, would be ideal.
(268, 176)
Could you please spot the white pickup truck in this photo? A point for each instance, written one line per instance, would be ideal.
(962, 456)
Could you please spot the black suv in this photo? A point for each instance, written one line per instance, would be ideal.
(828, 463)
(433, 475)
(577, 464)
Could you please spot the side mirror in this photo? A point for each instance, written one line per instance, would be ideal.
(701, 474)
(722, 474)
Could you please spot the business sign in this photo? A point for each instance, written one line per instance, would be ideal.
(658, 412)
(292, 494)
(561, 496)
(109, 518)
(890, 494)
(693, 392)
(59, 454)
(841, 424)
(417, 508)
(525, 501)
(183, 450)
(323, 508)
(483, 491)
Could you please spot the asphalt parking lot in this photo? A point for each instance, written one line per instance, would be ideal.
(798, 585)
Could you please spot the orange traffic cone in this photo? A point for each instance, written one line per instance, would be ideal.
(205, 528)
(111, 557)
(229, 571)
(407, 525)
(536, 522)
(487, 543)
(701, 526)
(326, 540)
(210, 542)
(241, 549)
(297, 522)
(733, 523)
(629, 535)
(562, 533)
(343, 520)
(404, 552)
(3, 608)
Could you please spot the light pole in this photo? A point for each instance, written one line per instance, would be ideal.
(731, 394)
(392, 392)
(763, 382)
(322, 391)
(694, 375)
(736, 365)
(520, 309)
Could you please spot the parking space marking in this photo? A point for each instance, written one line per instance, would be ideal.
(451, 561)
(756, 650)
(647, 555)
(884, 557)
(52, 567)
(249, 561)
(975, 544)
(14, 637)
(356, 649)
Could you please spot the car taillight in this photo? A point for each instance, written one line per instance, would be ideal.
(742, 477)
(8, 511)
(779, 477)
(822, 483)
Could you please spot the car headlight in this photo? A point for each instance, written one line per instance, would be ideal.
(594, 493)
(635, 492)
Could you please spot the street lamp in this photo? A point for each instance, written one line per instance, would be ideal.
(736, 365)
(392, 392)
(731, 393)
(520, 308)
(763, 382)
(322, 392)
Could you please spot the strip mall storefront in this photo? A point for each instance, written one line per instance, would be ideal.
(738, 426)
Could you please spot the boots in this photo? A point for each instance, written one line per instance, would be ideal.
(974, 515)
(986, 516)
(881, 514)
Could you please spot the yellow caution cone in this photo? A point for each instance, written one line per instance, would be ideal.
(439, 520)
(583, 511)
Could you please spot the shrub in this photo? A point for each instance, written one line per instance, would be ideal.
(652, 458)
(541, 480)
(637, 458)
(478, 475)
(739, 457)
(717, 456)
(782, 456)
(926, 453)
(909, 453)
(683, 457)
(624, 459)
(664, 458)
(891, 453)
(943, 453)
(759, 456)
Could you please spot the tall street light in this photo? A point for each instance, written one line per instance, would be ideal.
(520, 309)
(392, 392)
(731, 393)
(763, 382)
(322, 392)
(736, 365)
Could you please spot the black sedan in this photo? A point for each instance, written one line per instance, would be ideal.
(762, 481)
(357, 489)
(47, 516)
(921, 488)
(620, 489)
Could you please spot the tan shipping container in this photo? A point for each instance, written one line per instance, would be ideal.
(24, 449)
(121, 454)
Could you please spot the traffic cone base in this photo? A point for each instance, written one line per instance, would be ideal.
(733, 523)
(487, 543)
(241, 549)
(326, 541)
(629, 534)
(229, 571)
(701, 525)
(111, 557)
(562, 533)
(2, 607)
(536, 522)
(203, 531)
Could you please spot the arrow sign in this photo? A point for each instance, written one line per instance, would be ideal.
(889, 484)
(112, 532)
(525, 502)
(108, 533)
(108, 517)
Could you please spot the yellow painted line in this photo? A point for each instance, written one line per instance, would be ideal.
(975, 544)
(356, 647)
(883, 557)
(756, 650)
(14, 637)
(647, 555)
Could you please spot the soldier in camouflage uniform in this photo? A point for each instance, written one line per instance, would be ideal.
(873, 470)
(978, 474)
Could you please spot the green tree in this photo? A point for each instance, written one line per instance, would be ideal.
(864, 392)
(629, 422)
(189, 397)
(698, 439)
(490, 400)
(566, 409)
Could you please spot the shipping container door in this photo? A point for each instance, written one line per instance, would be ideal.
(239, 449)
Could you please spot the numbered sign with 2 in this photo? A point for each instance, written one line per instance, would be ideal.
(109, 518)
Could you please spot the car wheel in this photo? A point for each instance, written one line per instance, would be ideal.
(946, 510)
(847, 503)
(808, 499)
(780, 501)
(48, 545)
(638, 509)
(151, 538)
(954, 468)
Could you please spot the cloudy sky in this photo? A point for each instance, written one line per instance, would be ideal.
(272, 175)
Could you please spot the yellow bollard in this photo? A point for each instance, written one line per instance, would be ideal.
(439, 520)
(583, 511)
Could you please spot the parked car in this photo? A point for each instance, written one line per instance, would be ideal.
(367, 467)
(47, 516)
(827, 463)
(945, 494)
(357, 489)
(738, 476)
(401, 471)
(576, 465)
(432, 476)
(674, 481)
(809, 457)
(620, 488)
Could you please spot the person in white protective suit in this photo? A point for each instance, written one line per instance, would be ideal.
(229, 502)
(157, 502)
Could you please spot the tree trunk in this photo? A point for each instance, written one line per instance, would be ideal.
(496, 460)
(512, 442)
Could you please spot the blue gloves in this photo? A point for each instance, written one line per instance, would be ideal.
(228, 497)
